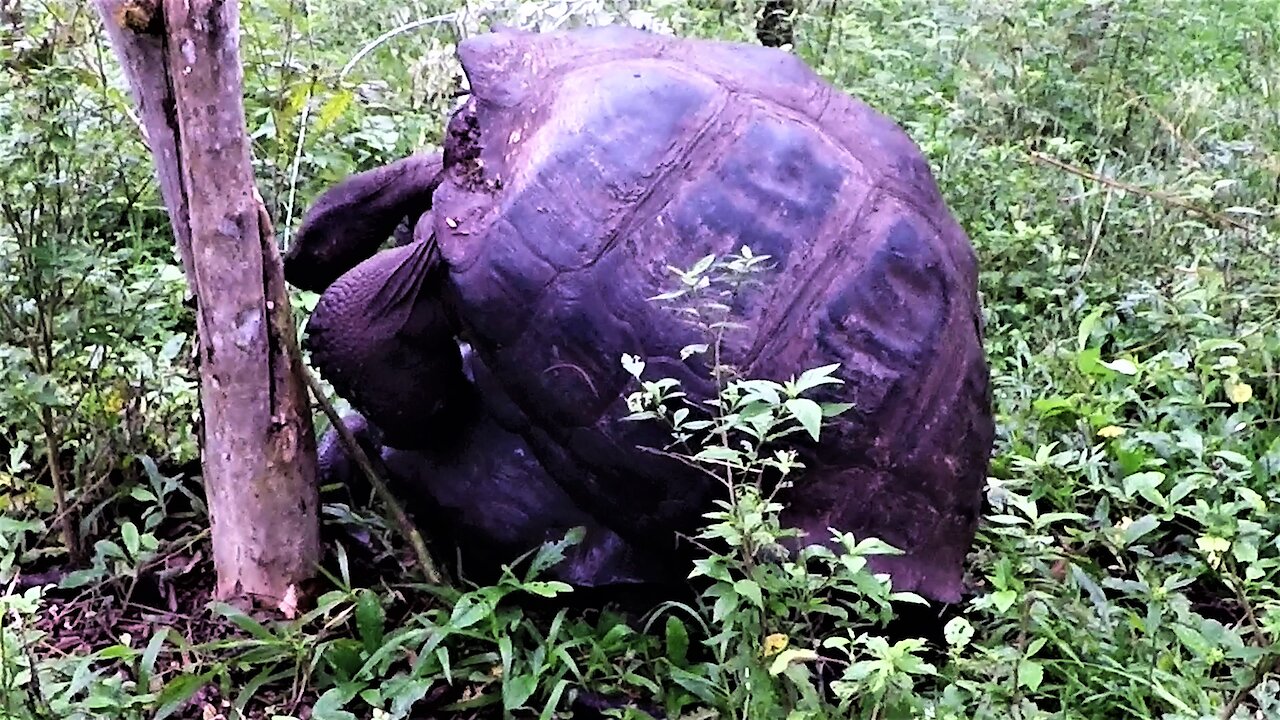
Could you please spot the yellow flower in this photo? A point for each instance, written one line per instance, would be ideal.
(113, 403)
(775, 643)
(1111, 431)
(1238, 391)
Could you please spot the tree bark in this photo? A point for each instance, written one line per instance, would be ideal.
(181, 58)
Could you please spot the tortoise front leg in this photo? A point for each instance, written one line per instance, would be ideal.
(352, 219)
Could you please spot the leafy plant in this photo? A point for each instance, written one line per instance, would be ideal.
(767, 614)
(1113, 163)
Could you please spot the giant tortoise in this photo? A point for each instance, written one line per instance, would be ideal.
(583, 165)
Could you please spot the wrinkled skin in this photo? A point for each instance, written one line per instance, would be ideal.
(585, 164)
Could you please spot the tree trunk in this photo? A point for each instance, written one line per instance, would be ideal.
(258, 443)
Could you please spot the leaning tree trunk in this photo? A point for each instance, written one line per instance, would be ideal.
(182, 61)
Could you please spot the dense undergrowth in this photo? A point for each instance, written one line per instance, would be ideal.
(1117, 166)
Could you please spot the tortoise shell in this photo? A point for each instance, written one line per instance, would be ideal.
(587, 163)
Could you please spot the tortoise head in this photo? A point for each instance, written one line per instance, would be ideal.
(352, 219)
(382, 337)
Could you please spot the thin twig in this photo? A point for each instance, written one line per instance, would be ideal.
(75, 505)
(297, 161)
(373, 44)
(67, 521)
(1268, 663)
(1259, 635)
(1154, 195)
(373, 470)
(1172, 129)
(1097, 237)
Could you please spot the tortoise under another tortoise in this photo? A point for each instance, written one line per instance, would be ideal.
(582, 166)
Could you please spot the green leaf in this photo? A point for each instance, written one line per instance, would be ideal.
(242, 621)
(129, 533)
(761, 390)
(702, 265)
(713, 568)
(547, 588)
(1052, 517)
(1212, 543)
(755, 409)
(699, 684)
(469, 610)
(817, 376)
(446, 665)
(249, 690)
(1234, 458)
(330, 705)
(177, 692)
(1030, 674)
(913, 664)
(1140, 527)
(1194, 641)
(1121, 365)
(83, 677)
(333, 109)
(80, 578)
(553, 701)
(1050, 406)
(16, 463)
(116, 652)
(343, 654)
(1252, 498)
(517, 690)
(1245, 550)
(633, 365)
(669, 295)
(1145, 484)
(958, 632)
(552, 552)
(786, 657)
(147, 665)
(370, 620)
(405, 692)
(808, 413)
(677, 640)
(749, 589)
(1004, 599)
(718, 453)
(724, 607)
(1087, 360)
(1086, 328)
(137, 492)
(688, 350)
(834, 409)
